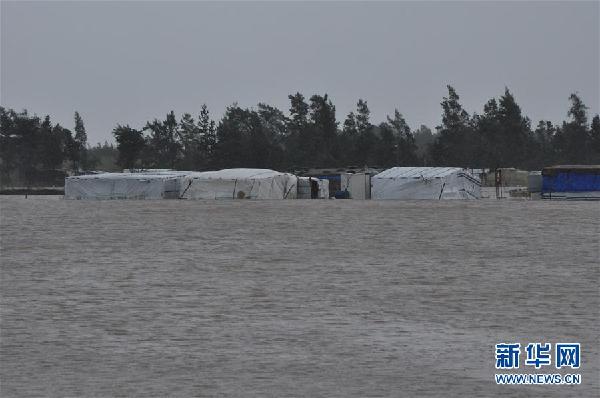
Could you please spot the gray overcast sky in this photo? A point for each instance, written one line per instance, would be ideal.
(128, 62)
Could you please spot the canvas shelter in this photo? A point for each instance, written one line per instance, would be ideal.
(239, 184)
(358, 185)
(103, 186)
(425, 183)
(313, 188)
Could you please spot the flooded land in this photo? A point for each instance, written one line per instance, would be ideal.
(291, 298)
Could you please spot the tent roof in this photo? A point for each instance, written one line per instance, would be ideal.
(417, 172)
(580, 168)
(235, 174)
(130, 176)
(226, 174)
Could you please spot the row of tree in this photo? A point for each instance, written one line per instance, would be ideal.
(311, 136)
(503, 137)
(34, 149)
(308, 136)
(266, 138)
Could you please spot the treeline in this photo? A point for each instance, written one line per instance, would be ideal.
(34, 150)
(265, 137)
(309, 135)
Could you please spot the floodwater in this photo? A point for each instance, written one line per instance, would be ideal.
(292, 298)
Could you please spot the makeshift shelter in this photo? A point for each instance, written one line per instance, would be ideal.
(534, 182)
(425, 183)
(571, 182)
(508, 177)
(239, 184)
(161, 185)
(323, 188)
(358, 185)
(313, 188)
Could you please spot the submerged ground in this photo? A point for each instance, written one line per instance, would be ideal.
(291, 298)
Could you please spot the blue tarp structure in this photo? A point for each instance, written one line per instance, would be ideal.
(571, 179)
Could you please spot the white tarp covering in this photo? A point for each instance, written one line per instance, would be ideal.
(425, 183)
(305, 188)
(161, 185)
(239, 184)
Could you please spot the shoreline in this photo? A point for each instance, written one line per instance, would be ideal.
(33, 191)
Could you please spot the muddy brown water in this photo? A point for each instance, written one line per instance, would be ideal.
(291, 298)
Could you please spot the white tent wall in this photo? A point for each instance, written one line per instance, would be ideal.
(357, 184)
(239, 184)
(123, 186)
(425, 183)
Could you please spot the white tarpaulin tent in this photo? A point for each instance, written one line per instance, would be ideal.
(425, 183)
(239, 184)
(154, 185)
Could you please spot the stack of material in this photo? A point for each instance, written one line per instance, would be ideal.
(239, 184)
(425, 183)
(155, 185)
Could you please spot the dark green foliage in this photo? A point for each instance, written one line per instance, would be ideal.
(311, 136)
(453, 145)
(190, 138)
(322, 131)
(298, 139)
(163, 144)
(501, 123)
(233, 135)
(575, 135)
(366, 141)
(395, 144)
(501, 136)
(273, 123)
(406, 147)
(197, 141)
(249, 138)
(543, 140)
(387, 146)
(31, 148)
(103, 157)
(424, 139)
(79, 150)
(348, 141)
(130, 144)
(207, 140)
